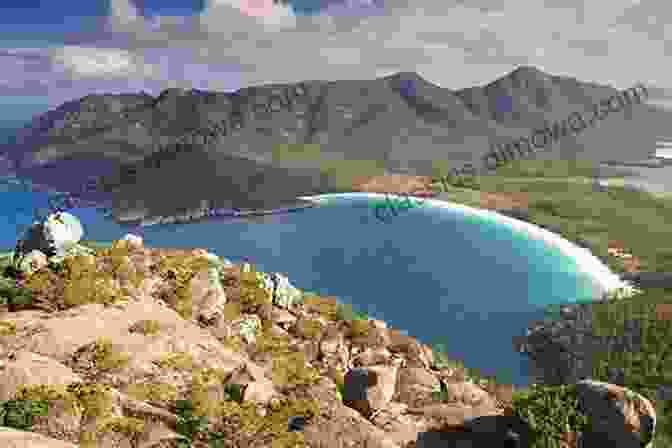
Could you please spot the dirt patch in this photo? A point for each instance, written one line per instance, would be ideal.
(503, 201)
(395, 183)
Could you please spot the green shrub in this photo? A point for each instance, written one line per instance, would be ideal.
(358, 328)
(146, 327)
(296, 151)
(105, 358)
(96, 399)
(347, 173)
(273, 428)
(340, 390)
(13, 295)
(177, 361)
(48, 393)
(19, 414)
(550, 411)
(201, 381)
(273, 344)
(649, 367)
(252, 293)
(441, 360)
(233, 392)
(157, 392)
(344, 311)
(326, 307)
(7, 328)
(129, 426)
(292, 370)
(180, 269)
(548, 168)
(188, 424)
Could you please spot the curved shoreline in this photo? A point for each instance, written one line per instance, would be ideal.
(211, 214)
(585, 261)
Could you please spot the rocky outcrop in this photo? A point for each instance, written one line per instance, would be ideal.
(53, 236)
(618, 415)
(196, 339)
(560, 350)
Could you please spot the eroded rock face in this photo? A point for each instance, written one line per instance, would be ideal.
(148, 355)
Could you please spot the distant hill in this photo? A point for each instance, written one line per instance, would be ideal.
(187, 145)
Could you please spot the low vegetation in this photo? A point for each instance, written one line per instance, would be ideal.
(156, 392)
(639, 222)
(552, 413)
(106, 358)
(344, 173)
(148, 327)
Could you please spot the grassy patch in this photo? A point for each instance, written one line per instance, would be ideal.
(345, 311)
(19, 414)
(296, 151)
(358, 328)
(548, 168)
(157, 392)
(550, 412)
(105, 358)
(176, 361)
(178, 270)
(644, 370)
(273, 344)
(345, 173)
(640, 222)
(15, 296)
(147, 327)
(252, 293)
(272, 429)
(129, 426)
(326, 307)
(7, 328)
(291, 371)
(637, 219)
(201, 380)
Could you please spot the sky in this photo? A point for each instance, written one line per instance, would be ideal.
(63, 50)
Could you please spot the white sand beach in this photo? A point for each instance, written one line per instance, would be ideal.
(604, 280)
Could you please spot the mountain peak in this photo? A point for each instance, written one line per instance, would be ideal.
(407, 76)
(529, 73)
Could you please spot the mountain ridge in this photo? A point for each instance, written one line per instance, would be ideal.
(225, 136)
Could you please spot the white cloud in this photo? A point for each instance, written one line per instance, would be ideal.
(99, 62)
(451, 43)
(218, 12)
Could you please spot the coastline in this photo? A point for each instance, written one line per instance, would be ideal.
(209, 214)
(586, 262)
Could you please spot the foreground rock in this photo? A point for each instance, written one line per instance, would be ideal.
(53, 236)
(148, 346)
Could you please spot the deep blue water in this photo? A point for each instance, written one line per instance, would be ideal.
(468, 284)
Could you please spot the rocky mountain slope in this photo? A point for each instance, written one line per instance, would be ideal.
(136, 347)
(220, 145)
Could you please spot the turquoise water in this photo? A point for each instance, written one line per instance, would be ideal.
(466, 282)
